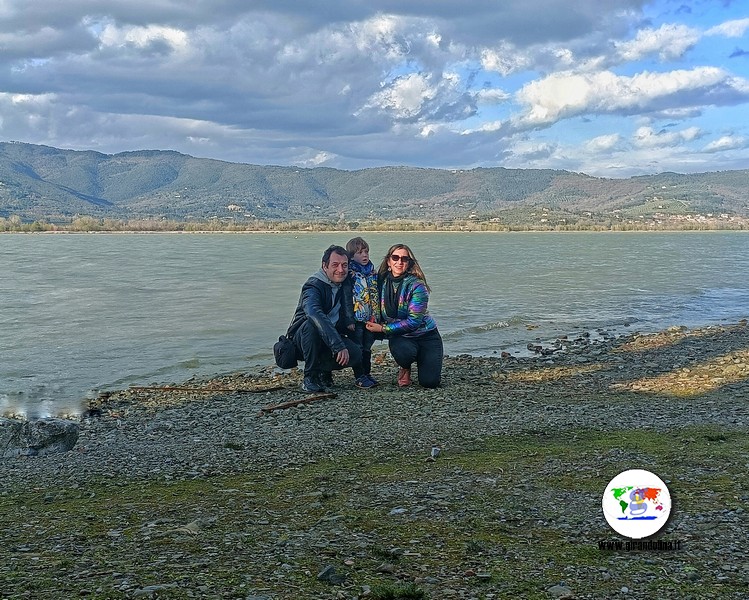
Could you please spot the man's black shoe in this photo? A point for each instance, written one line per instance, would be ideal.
(311, 384)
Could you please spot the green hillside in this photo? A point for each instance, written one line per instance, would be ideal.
(42, 183)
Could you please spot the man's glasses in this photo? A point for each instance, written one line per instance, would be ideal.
(398, 258)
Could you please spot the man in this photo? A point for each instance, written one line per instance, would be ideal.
(323, 319)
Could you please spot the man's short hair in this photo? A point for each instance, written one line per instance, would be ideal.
(334, 250)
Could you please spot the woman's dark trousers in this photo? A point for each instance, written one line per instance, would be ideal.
(425, 350)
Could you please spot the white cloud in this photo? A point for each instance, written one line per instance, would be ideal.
(668, 42)
(566, 94)
(504, 60)
(532, 151)
(646, 137)
(384, 40)
(33, 101)
(565, 57)
(520, 152)
(430, 129)
(727, 142)
(678, 113)
(733, 29)
(419, 97)
(492, 96)
(405, 96)
(23, 114)
(434, 39)
(143, 37)
(486, 126)
(315, 161)
(380, 34)
(603, 143)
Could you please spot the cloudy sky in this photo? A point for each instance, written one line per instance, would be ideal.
(611, 88)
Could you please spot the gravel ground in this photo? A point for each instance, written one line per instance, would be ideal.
(191, 493)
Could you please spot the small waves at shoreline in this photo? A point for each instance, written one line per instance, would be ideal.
(514, 334)
(39, 403)
(733, 303)
(195, 367)
(478, 329)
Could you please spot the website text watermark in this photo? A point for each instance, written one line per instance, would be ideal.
(636, 545)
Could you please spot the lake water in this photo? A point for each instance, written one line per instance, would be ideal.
(84, 313)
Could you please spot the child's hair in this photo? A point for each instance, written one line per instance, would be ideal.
(355, 244)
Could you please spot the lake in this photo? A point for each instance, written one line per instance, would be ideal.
(90, 312)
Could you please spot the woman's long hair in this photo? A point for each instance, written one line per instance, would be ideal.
(413, 267)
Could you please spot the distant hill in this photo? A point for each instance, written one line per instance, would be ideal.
(44, 183)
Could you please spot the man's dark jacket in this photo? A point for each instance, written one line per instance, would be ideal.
(315, 302)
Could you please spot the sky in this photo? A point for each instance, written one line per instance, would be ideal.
(610, 88)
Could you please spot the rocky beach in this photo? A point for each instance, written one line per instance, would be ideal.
(244, 486)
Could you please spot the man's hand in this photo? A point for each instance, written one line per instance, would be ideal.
(342, 357)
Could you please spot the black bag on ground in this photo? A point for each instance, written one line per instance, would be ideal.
(284, 351)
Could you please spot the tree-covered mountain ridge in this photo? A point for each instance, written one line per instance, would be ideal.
(41, 183)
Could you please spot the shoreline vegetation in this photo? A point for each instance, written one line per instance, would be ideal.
(85, 224)
(489, 487)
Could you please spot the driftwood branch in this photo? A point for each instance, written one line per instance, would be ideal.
(170, 388)
(270, 408)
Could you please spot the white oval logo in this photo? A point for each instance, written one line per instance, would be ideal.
(636, 503)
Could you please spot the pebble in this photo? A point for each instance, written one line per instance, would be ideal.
(560, 591)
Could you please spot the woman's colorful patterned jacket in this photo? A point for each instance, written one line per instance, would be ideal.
(413, 313)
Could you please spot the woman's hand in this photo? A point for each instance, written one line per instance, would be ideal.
(374, 327)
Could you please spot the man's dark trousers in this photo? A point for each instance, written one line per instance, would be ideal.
(318, 357)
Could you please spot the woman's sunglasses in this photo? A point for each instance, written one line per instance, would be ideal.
(398, 258)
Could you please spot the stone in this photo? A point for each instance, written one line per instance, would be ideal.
(10, 436)
(560, 592)
(36, 438)
(329, 575)
(152, 590)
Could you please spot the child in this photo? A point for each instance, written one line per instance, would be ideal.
(366, 305)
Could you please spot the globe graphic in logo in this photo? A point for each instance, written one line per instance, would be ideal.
(636, 503)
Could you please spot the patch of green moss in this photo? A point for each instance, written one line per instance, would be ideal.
(399, 591)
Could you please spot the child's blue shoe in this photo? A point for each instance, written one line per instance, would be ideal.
(363, 381)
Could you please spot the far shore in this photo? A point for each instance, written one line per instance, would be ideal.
(374, 231)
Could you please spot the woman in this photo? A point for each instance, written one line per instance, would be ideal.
(405, 322)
